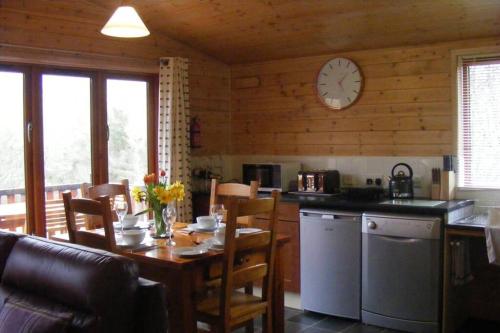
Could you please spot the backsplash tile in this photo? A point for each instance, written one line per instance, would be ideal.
(358, 167)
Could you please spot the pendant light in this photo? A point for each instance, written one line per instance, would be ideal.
(125, 23)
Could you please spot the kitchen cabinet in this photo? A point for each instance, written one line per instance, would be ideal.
(477, 298)
(288, 224)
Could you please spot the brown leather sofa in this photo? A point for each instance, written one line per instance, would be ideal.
(71, 288)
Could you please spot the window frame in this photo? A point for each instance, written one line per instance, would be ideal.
(457, 57)
(33, 113)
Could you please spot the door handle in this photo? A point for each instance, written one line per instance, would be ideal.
(29, 131)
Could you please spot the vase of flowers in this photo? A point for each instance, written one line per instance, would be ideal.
(158, 195)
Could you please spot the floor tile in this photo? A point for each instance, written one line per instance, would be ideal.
(314, 329)
(291, 327)
(361, 328)
(307, 318)
(334, 324)
(289, 312)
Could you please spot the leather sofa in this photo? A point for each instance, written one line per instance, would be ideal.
(58, 287)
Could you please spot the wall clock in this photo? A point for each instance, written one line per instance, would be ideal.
(339, 83)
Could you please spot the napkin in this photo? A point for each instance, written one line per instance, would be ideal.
(492, 234)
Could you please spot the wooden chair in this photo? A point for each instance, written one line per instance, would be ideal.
(247, 259)
(100, 207)
(220, 193)
(110, 190)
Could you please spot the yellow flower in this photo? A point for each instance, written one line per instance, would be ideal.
(137, 194)
(163, 195)
(177, 191)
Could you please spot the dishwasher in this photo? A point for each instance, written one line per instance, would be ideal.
(401, 272)
(330, 271)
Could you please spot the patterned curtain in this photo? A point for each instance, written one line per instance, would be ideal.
(173, 132)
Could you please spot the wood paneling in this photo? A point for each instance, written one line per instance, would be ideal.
(404, 109)
(248, 31)
(66, 33)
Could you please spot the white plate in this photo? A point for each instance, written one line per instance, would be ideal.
(190, 252)
(244, 231)
(216, 246)
(195, 227)
(140, 225)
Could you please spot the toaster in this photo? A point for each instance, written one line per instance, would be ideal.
(320, 182)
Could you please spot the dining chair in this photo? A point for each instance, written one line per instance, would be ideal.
(110, 190)
(99, 207)
(247, 259)
(220, 193)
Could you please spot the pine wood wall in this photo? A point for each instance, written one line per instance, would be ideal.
(405, 108)
(39, 32)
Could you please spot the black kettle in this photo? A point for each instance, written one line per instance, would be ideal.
(401, 185)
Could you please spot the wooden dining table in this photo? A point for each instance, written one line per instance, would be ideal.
(184, 276)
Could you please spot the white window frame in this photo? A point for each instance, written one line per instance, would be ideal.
(488, 194)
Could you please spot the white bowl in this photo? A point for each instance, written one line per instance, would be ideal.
(206, 222)
(133, 237)
(130, 220)
(220, 235)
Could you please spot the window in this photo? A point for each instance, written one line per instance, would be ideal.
(479, 122)
(127, 106)
(53, 125)
(12, 180)
(66, 109)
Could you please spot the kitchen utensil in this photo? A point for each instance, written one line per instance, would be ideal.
(447, 185)
(436, 184)
(401, 185)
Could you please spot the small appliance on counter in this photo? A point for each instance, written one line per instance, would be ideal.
(271, 176)
(318, 182)
(401, 185)
(365, 193)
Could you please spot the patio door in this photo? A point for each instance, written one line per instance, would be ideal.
(13, 192)
(67, 149)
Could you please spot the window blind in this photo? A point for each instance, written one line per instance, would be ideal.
(479, 122)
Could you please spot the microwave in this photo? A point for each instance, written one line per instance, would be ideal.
(272, 176)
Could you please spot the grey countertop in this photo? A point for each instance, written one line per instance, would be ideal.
(341, 203)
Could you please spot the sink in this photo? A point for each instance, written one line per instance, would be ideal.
(413, 202)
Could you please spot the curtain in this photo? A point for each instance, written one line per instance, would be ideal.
(173, 129)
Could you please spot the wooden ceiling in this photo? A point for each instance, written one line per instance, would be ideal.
(240, 31)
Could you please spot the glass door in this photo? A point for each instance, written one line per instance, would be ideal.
(66, 109)
(12, 166)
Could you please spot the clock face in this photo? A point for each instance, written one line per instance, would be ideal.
(339, 83)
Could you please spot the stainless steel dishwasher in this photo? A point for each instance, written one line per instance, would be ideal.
(401, 271)
(330, 270)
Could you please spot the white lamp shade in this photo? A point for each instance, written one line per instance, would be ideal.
(125, 22)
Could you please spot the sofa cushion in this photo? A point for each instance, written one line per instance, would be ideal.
(84, 279)
(81, 322)
(7, 241)
(21, 317)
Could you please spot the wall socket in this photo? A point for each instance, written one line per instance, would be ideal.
(417, 182)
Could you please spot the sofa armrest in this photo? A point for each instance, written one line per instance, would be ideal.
(151, 307)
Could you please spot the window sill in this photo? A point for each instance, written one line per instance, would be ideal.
(477, 189)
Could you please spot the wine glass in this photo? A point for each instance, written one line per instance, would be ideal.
(169, 216)
(121, 209)
(217, 212)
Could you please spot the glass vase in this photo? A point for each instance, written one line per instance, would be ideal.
(160, 230)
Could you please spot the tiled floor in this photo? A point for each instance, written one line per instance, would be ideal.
(310, 322)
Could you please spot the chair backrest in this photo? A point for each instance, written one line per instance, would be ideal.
(220, 193)
(237, 271)
(100, 207)
(110, 190)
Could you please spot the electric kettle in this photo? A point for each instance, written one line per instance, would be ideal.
(401, 185)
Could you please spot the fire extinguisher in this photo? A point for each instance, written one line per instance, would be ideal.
(195, 133)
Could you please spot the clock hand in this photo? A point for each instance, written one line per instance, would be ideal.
(342, 79)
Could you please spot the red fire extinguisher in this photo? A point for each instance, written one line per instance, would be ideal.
(195, 133)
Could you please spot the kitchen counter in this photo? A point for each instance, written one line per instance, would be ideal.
(340, 203)
(472, 223)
